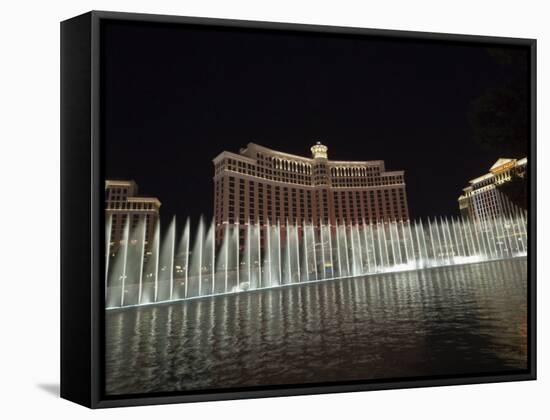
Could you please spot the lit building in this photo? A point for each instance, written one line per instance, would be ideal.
(263, 186)
(123, 203)
(483, 199)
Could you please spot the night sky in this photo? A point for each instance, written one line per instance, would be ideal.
(174, 97)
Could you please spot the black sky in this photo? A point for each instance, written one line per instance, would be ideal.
(176, 96)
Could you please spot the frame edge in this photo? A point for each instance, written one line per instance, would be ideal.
(76, 204)
(91, 177)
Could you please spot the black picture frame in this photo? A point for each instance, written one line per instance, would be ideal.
(82, 217)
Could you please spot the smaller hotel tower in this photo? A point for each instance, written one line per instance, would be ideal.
(123, 205)
(483, 199)
(260, 185)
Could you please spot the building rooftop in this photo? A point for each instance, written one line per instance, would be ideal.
(249, 152)
(133, 191)
(501, 165)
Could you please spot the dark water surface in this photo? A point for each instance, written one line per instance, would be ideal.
(454, 320)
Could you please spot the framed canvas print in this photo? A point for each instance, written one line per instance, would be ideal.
(255, 209)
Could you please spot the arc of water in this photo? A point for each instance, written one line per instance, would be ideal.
(398, 242)
(473, 235)
(108, 233)
(213, 256)
(450, 241)
(346, 249)
(126, 236)
(249, 252)
(517, 228)
(459, 234)
(385, 243)
(360, 251)
(494, 235)
(423, 235)
(322, 240)
(418, 244)
(505, 223)
(523, 225)
(432, 240)
(236, 234)
(455, 237)
(490, 238)
(404, 241)
(392, 242)
(468, 233)
(379, 240)
(226, 255)
(462, 227)
(186, 234)
(201, 244)
(484, 239)
(437, 241)
(519, 222)
(142, 258)
(453, 241)
(314, 251)
(157, 259)
(411, 240)
(172, 253)
(446, 240)
(304, 234)
(338, 250)
(479, 238)
(371, 232)
(297, 250)
(438, 231)
(458, 237)
(366, 246)
(399, 251)
(331, 252)
(259, 251)
(289, 268)
(502, 239)
(353, 259)
(441, 227)
(497, 247)
(268, 239)
(514, 235)
(287, 233)
(509, 238)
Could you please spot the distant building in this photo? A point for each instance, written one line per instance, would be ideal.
(261, 185)
(483, 199)
(122, 203)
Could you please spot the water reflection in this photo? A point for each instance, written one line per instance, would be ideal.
(452, 320)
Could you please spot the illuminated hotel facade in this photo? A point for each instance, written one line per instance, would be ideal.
(482, 200)
(260, 185)
(122, 203)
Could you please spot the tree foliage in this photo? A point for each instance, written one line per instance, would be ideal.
(500, 116)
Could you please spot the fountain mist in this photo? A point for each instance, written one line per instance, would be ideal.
(237, 258)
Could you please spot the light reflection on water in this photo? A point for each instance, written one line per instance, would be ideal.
(442, 321)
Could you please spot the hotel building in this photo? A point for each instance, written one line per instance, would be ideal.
(122, 203)
(482, 199)
(261, 185)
